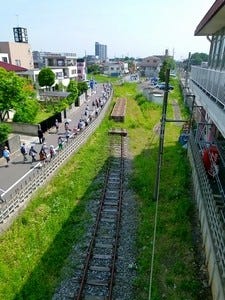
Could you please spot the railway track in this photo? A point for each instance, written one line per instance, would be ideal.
(97, 277)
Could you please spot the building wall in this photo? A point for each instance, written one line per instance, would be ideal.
(4, 57)
(101, 51)
(20, 54)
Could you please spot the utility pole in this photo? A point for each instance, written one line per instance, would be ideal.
(187, 71)
(162, 133)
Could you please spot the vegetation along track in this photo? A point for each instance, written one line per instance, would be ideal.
(98, 275)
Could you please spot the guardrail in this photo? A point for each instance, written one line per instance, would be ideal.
(212, 223)
(20, 192)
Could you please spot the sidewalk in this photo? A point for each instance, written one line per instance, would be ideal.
(17, 168)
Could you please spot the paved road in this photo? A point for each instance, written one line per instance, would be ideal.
(17, 169)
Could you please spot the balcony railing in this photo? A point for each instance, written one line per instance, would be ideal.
(212, 82)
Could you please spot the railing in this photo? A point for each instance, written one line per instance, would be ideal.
(212, 222)
(19, 193)
(211, 82)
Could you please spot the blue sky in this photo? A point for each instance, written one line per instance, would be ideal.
(128, 27)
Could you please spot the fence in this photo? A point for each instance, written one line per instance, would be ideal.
(18, 194)
(212, 224)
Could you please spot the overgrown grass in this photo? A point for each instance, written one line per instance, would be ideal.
(34, 250)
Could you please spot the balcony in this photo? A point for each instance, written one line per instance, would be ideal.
(211, 82)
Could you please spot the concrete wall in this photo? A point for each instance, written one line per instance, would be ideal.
(23, 128)
(14, 143)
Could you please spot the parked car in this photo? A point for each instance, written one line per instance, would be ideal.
(162, 86)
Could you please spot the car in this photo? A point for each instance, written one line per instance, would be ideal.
(162, 86)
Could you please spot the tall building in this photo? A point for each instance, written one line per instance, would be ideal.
(101, 51)
(19, 52)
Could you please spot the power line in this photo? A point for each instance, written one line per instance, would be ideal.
(157, 181)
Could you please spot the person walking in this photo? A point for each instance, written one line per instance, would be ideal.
(52, 152)
(57, 125)
(23, 151)
(6, 155)
(67, 134)
(32, 153)
(40, 135)
(43, 152)
(60, 143)
(67, 125)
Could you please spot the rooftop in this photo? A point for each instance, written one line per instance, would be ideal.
(10, 67)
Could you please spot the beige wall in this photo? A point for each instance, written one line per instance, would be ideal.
(20, 54)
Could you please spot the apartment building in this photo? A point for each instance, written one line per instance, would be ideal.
(101, 51)
(204, 93)
(81, 69)
(115, 68)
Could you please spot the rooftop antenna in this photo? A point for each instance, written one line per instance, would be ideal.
(17, 19)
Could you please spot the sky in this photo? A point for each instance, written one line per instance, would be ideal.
(128, 27)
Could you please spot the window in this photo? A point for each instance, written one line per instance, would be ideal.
(4, 59)
(59, 74)
(17, 62)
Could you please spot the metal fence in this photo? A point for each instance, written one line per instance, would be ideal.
(210, 81)
(19, 193)
(212, 223)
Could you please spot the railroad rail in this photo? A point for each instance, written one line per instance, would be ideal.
(98, 274)
(119, 110)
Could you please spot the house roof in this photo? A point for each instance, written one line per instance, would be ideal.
(10, 67)
(213, 20)
(150, 61)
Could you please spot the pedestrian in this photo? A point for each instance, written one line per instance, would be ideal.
(52, 151)
(6, 155)
(57, 125)
(66, 125)
(23, 151)
(60, 143)
(32, 153)
(40, 135)
(43, 152)
(67, 135)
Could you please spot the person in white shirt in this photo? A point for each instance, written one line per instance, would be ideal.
(6, 155)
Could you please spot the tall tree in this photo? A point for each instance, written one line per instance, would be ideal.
(14, 91)
(198, 58)
(46, 77)
(82, 87)
(73, 90)
(168, 63)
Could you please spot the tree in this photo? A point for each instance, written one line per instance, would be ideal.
(82, 87)
(94, 69)
(4, 132)
(27, 112)
(73, 90)
(168, 63)
(198, 58)
(14, 92)
(46, 77)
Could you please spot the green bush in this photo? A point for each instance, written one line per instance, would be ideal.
(28, 112)
(4, 132)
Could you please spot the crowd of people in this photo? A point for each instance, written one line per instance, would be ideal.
(47, 153)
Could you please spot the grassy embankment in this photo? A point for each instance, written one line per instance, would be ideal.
(36, 247)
